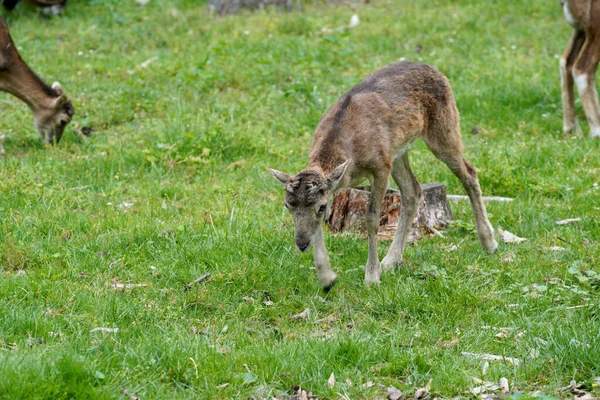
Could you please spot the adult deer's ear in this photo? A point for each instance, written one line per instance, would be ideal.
(56, 86)
(335, 177)
(281, 176)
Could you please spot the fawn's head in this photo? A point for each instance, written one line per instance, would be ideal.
(306, 196)
(52, 120)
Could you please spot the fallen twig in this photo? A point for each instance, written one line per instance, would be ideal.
(492, 357)
(127, 393)
(102, 329)
(457, 197)
(197, 281)
(567, 221)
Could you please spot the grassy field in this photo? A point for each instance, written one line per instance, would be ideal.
(172, 185)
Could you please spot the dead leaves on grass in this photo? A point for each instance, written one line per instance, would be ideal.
(485, 386)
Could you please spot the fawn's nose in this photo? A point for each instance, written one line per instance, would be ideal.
(303, 246)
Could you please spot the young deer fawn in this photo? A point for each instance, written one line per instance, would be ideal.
(366, 135)
(579, 63)
(52, 110)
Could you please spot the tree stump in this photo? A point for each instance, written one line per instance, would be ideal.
(349, 207)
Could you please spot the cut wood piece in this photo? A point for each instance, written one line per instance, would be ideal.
(348, 209)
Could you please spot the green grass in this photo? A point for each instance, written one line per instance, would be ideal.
(187, 140)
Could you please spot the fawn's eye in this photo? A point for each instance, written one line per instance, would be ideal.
(322, 209)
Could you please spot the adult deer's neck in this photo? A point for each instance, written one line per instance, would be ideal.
(23, 83)
(18, 79)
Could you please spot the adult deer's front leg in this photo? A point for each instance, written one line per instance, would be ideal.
(324, 272)
(378, 188)
(584, 72)
(570, 123)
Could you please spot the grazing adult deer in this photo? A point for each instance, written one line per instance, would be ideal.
(579, 63)
(366, 135)
(52, 110)
(49, 7)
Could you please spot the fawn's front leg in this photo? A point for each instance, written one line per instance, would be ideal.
(373, 268)
(324, 272)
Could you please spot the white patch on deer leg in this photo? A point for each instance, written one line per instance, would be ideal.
(581, 80)
(562, 63)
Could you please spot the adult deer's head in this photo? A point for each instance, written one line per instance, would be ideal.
(52, 119)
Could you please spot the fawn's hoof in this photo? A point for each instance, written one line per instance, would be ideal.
(328, 281)
(492, 246)
(389, 264)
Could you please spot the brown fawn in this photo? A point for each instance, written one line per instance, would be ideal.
(366, 135)
(51, 108)
(579, 63)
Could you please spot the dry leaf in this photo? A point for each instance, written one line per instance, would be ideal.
(504, 385)
(268, 303)
(508, 237)
(126, 204)
(555, 248)
(368, 384)
(223, 386)
(567, 221)
(586, 396)
(572, 387)
(331, 380)
(492, 357)
(354, 21)
(393, 393)
(447, 343)
(483, 386)
(484, 367)
(301, 316)
(424, 391)
(330, 319)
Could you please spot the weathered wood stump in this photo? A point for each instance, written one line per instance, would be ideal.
(348, 209)
(225, 7)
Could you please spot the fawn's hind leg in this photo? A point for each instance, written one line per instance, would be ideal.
(446, 144)
(571, 53)
(584, 71)
(410, 193)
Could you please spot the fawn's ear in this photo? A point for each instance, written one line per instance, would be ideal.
(281, 176)
(335, 177)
